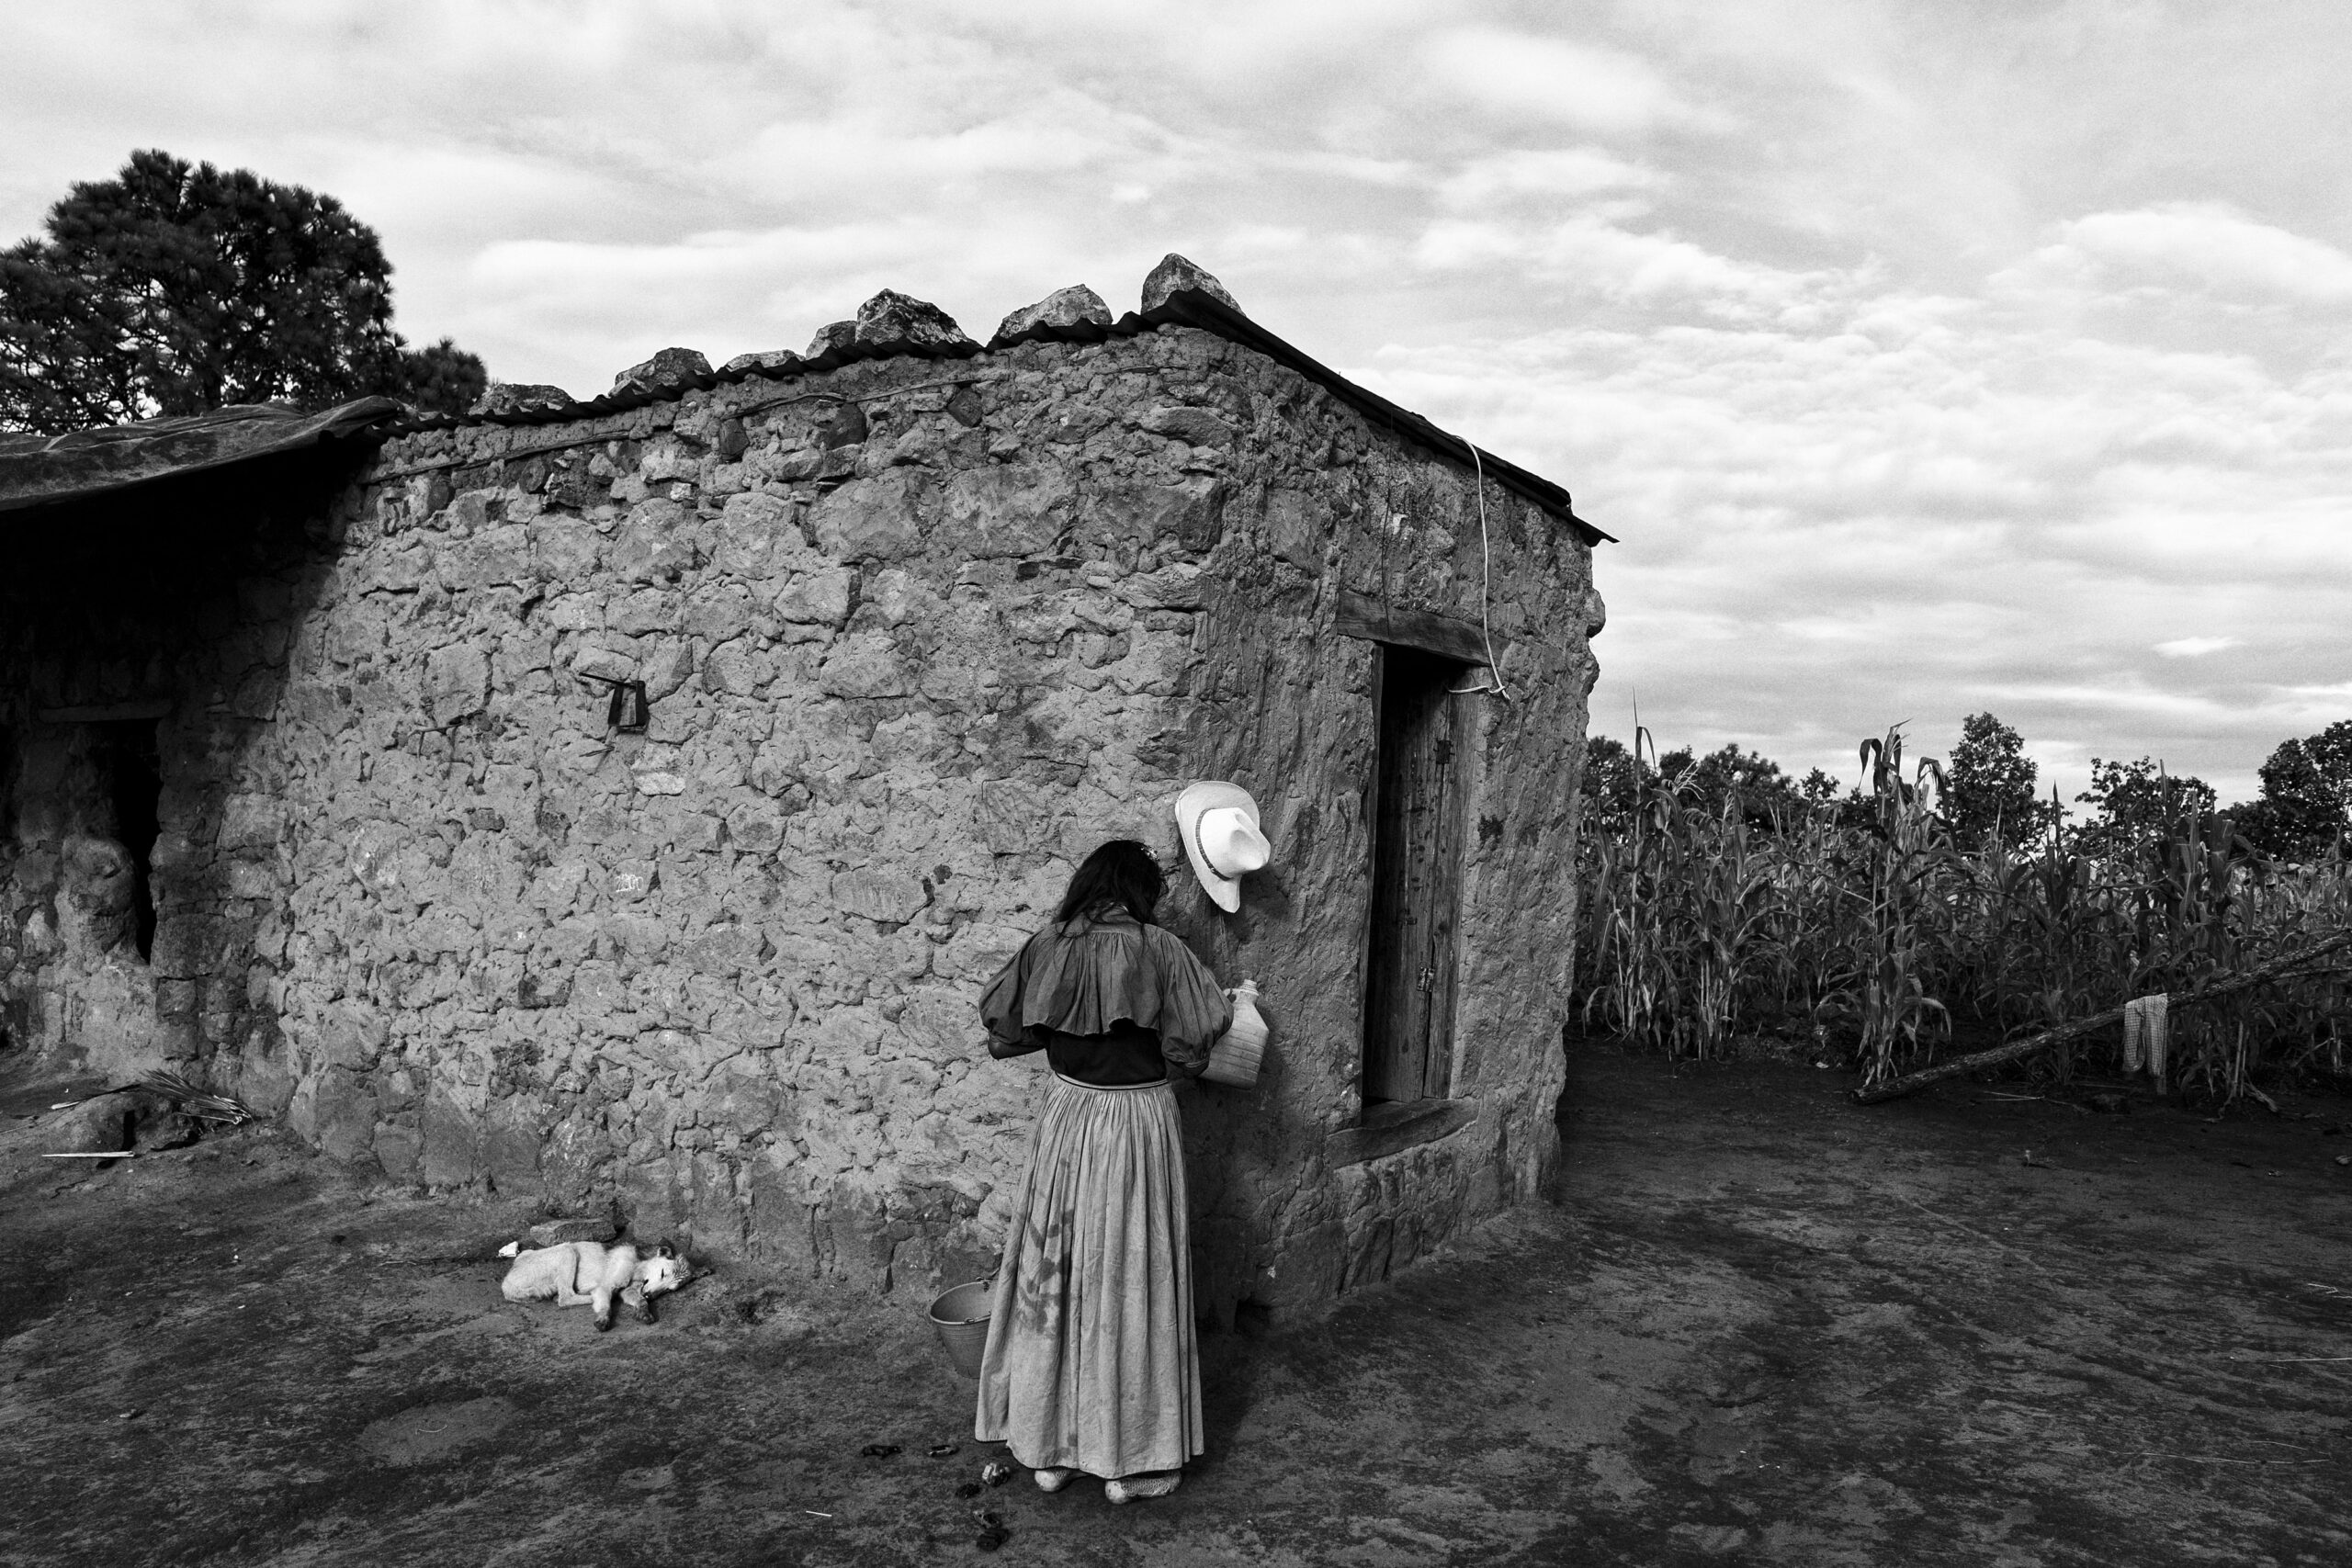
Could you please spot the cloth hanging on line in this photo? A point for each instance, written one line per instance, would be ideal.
(2147, 1035)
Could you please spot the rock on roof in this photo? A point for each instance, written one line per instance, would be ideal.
(890, 325)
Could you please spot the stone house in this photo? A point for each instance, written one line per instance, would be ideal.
(626, 800)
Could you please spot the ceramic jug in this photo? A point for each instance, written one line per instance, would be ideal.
(1234, 1059)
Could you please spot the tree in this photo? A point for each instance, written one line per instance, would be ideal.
(1612, 786)
(441, 377)
(1706, 784)
(1752, 779)
(2306, 796)
(1767, 796)
(2133, 801)
(175, 289)
(1990, 784)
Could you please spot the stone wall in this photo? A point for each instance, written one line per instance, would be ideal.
(916, 636)
(152, 630)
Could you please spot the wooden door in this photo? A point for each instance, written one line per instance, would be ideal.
(1416, 881)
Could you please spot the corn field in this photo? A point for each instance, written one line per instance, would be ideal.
(1872, 938)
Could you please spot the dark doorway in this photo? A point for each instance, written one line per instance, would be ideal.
(1416, 882)
(134, 774)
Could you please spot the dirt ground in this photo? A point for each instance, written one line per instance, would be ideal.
(1756, 1325)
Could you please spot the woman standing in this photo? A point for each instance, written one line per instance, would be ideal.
(1091, 1366)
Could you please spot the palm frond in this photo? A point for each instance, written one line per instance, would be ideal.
(226, 1110)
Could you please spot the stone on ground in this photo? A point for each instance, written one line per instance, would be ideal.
(95, 1126)
(170, 1129)
(554, 1233)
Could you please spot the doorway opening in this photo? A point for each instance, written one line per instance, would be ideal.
(1416, 883)
(132, 763)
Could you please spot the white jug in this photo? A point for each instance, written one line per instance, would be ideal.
(1234, 1059)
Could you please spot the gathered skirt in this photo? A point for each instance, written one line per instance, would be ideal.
(1092, 1361)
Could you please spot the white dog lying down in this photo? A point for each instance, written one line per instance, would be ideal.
(574, 1273)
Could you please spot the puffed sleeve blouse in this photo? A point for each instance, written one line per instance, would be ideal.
(1111, 1001)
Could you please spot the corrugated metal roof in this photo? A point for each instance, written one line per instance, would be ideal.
(35, 471)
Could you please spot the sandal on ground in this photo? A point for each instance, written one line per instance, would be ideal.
(1052, 1480)
(1132, 1488)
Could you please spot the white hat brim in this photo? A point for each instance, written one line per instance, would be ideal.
(1197, 801)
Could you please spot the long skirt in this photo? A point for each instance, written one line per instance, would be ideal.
(1092, 1361)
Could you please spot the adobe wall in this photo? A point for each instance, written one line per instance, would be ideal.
(910, 657)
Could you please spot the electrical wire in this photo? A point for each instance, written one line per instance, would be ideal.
(1486, 590)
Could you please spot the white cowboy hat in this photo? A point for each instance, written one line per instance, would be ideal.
(1219, 822)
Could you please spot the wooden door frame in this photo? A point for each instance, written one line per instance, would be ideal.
(1371, 865)
(1469, 720)
(1374, 620)
(1468, 751)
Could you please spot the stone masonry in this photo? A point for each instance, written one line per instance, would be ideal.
(915, 635)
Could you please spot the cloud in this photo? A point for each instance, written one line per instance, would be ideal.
(2204, 246)
(853, 158)
(1593, 254)
(1551, 79)
(2195, 647)
(1923, 364)
(1877, 505)
(1544, 175)
(732, 291)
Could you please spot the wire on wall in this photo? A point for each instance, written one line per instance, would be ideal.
(1486, 591)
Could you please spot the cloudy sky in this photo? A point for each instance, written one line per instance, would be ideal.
(1927, 357)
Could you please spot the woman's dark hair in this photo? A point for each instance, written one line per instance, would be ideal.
(1122, 873)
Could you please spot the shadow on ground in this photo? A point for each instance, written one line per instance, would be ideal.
(1757, 1326)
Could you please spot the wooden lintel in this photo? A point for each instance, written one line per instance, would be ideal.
(106, 712)
(1362, 616)
(1402, 1127)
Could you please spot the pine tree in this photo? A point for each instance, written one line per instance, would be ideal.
(176, 289)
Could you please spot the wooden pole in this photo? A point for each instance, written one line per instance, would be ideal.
(2033, 1045)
